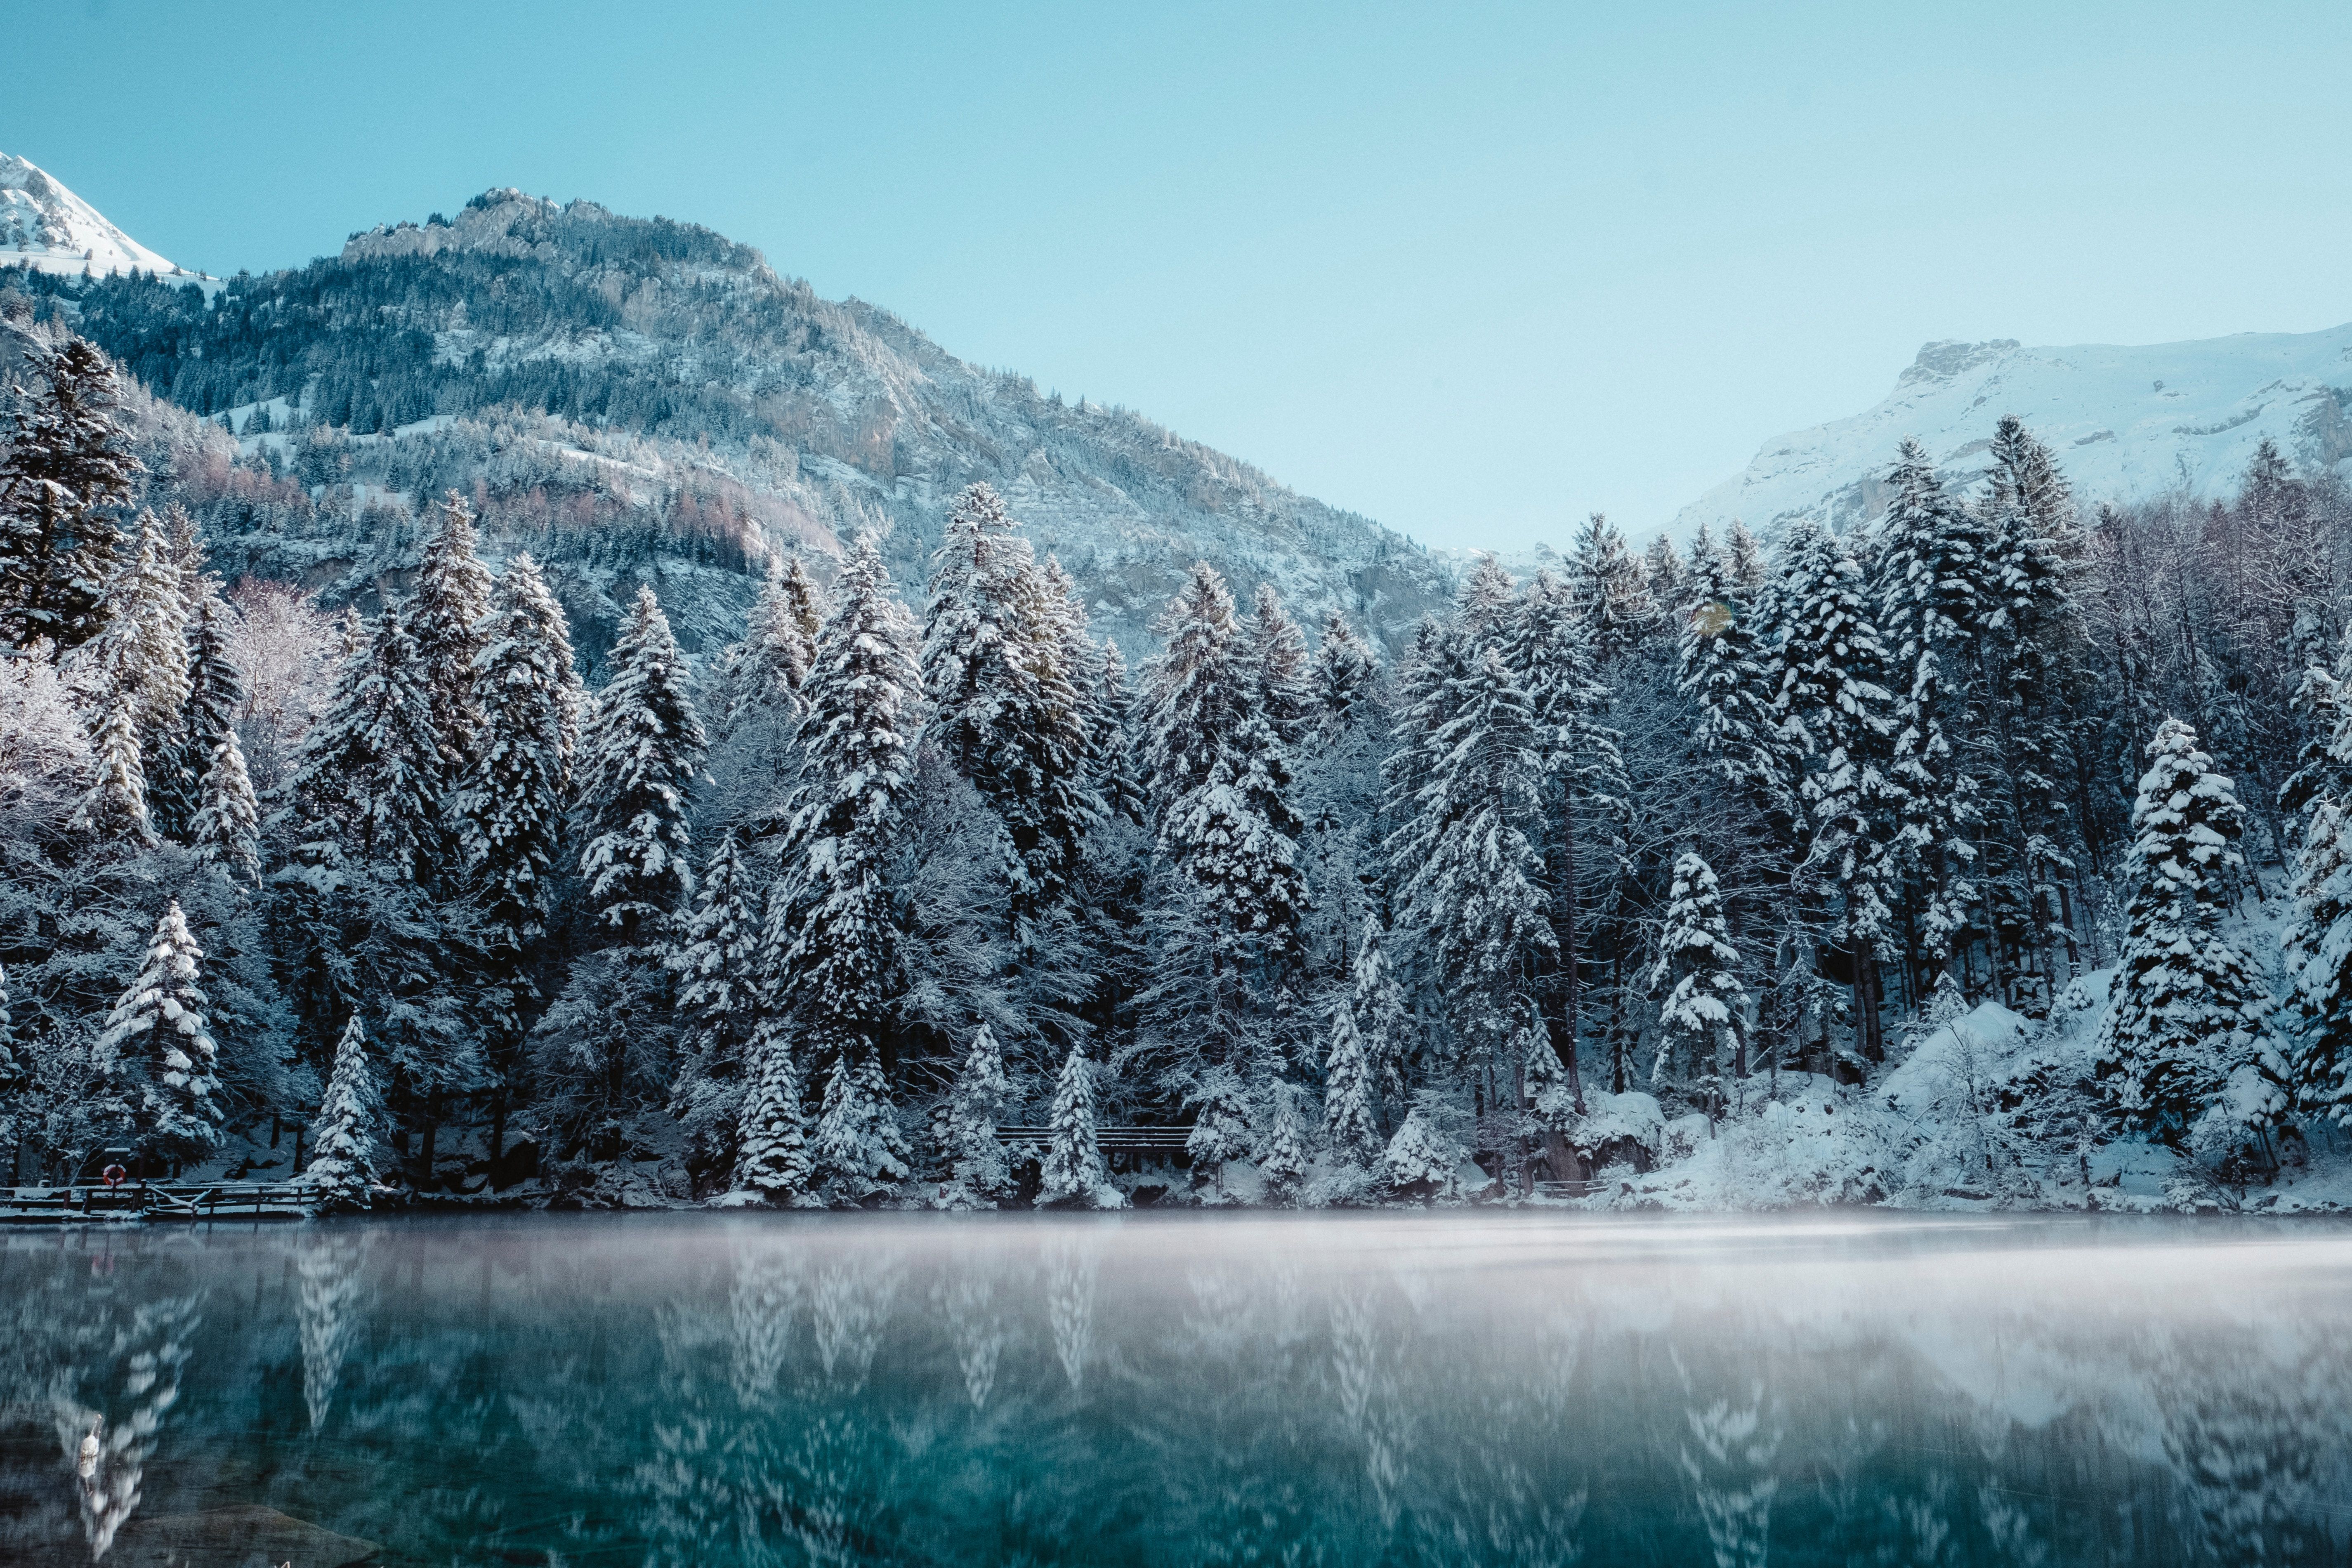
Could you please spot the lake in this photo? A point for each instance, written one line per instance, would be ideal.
(1454, 1387)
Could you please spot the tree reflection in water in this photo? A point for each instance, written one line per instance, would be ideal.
(1452, 1389)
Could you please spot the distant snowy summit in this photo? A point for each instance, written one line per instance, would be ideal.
(2127, 423)
(47, 226)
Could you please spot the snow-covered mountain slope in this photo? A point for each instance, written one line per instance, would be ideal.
(47, 227)
(2125, 422)
(698, 370)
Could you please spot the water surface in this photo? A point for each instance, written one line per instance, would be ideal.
(1449, 1388)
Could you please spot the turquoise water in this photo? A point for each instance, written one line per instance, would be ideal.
(1448, 1388)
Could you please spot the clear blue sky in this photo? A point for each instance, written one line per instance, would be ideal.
(1473, 269)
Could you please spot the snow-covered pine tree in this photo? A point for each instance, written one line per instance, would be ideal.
(1003, 657)
(1236, 840)
(526, 705)
(1274, 664)
(1116, 782)
(774, 1157)
(858, 1145)
(1704, 1015)
(1827, 666)
(155, 1060)
(1221, 1123)
(1934, 585)
(65, 470)
(1427, 687)
(114, 810)
(1587, 793)
(717, 962)
(1194, 694)
(2319, 945)
(1609, 590)
(216, 690)
(226, 828)
(368, 784)
(1472, 878)
(975, 1160)
(1721, 665)
(349, 1124)
(1072, 1171)
(829, 956)
(2188, 1018)
(1351, 1122)
(1344, 676)
(1283, 1161)
(638, 756)
(778, 642)
(445, 616)
(139, 662)
(1420, 1161)
(1383, 1022)
(1666, 575)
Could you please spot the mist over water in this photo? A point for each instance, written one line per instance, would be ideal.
(1372, 1389)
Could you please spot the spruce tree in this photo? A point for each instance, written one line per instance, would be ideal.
(779, 641)
(140, 662)
(217, 688)
(1609, 590)
(155, 1060)
(774, 1158)
(1352, 1123)
(1117, 784)
(716, 965)
(1274, 666)
(1283, 1161)
(829, 958)
(2318, 943)
(1195, 695)
(445, 616)
(1703, 1011)
(1723, 677)
(226, 828)
(1072, 1171)
(1344, 676)
(1221, 1123)
(2189, 1010)
(858, 1142)
(526, 704)
(1383, 1022)
(1827, 668)
(1934, 584)
(368, 786)
(1472, 878)
(114, 810)
(975, 1160)
(639, 754)
(348, 1127)
(65, 472)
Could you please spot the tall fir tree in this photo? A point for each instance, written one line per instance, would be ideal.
(349, 1127)
(368, 784)
(1609, 590)
(1117, 784)
(1276, 667)
(831, 959)
(1195, 694)
(1072, 1171)
(2188, 1016)
(1351, 1122)
(66, 471)
(1702, 1011)
(639, 754)
(446, 617)
(217, 688)
(114, 808)
(1344, 676)
(717, 961)
(526, 698)
(977, 1170)
(155, 1062)
(774, 1159)
(226, 828)
(140, 662)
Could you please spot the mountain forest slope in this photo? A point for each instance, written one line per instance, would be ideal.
(644, 401)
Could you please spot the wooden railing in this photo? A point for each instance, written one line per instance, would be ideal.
(155, 1200)
(1110, 1139)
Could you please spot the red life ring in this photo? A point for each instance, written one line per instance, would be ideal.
(113, 1175)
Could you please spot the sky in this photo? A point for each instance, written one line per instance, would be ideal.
(1474, 270)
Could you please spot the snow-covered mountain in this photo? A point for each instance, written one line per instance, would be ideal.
(2125, 422)
(691, 391)
(47, 227)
